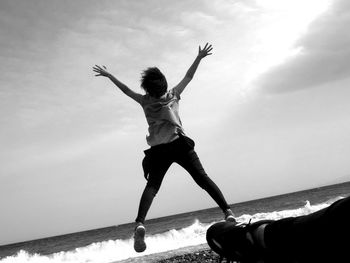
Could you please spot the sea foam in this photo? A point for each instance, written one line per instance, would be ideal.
(117, 250)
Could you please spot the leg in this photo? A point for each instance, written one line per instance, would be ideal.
(145, 203)
(316, 237)
(190, 162)
(156, 176)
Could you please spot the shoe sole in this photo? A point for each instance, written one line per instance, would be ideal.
(139, 239)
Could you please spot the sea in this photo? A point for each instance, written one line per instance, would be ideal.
(166, 236)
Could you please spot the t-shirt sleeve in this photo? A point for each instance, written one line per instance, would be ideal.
(176, 93)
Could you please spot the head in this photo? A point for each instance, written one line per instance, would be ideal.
(154, 82)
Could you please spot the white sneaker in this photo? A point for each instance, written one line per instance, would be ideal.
(229, 216)
(139, 238)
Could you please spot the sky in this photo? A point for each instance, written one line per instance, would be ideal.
(268, 110)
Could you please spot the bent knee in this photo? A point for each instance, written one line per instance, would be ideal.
(153, 189)
(203, 181)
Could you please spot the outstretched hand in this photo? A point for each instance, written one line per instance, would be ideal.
(205, 51)
(101, 71)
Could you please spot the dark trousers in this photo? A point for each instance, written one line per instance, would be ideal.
(322, 236)
(157, 161)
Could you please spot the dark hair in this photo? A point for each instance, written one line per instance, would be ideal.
(154, 82)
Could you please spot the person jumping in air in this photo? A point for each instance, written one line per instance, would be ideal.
(167, 140)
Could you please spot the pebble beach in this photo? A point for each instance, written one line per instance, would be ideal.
(201, 256)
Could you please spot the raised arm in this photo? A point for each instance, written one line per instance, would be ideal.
(190, 72)
(102, 71)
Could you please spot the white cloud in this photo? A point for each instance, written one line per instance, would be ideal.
(324, 54)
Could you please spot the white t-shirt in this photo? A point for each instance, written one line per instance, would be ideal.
(163, 118)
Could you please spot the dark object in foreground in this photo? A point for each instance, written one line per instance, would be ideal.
(235, 242)
(318, 237)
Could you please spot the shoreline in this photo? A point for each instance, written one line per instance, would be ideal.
(198, 253)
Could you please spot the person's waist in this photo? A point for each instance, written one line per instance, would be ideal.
(165, 144)
(164, 135)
